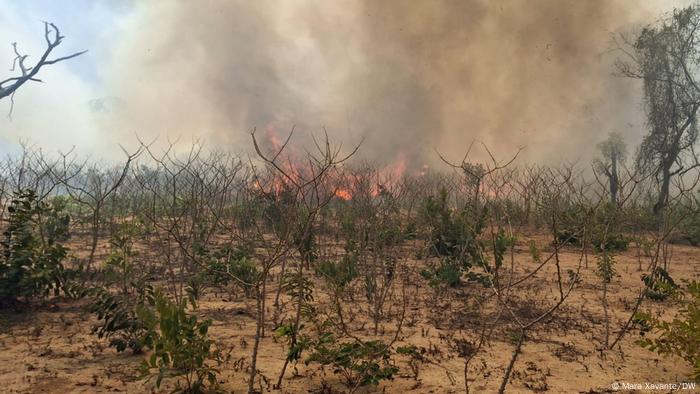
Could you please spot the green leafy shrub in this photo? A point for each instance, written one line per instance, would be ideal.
(390, 233)
(454, 237)
(600, 240)
(571, 220)
(610, 242)
(57, 221)
(297, 341)
(244, 214)
(118, 316)
(245, 270)
(606, 267)
(300, 289)
(274, 207)
(605, 230)
(679, 337)
(416, 356)
(32, 255)
(229, 261)
(180, 347)
(339, 274)
(640, 218)
(659, 285)
(447, 273)
(119, 266)
(569, 236)
(360, 364)
(305, 242)
(451, 233)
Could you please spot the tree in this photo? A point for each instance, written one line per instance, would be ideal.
(613, 152)
(666, 57)
(53, 38)
(91, 187)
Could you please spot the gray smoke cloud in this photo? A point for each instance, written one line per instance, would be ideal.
(407, 76)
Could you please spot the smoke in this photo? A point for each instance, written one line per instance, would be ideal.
(40, 107)
(408, 77)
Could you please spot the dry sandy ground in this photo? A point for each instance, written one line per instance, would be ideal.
(51, 349)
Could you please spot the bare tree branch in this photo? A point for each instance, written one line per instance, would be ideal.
(53, 38)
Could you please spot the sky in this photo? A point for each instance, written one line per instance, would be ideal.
(408, 78)
(56, 114)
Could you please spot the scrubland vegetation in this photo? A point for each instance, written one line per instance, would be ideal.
(302, 270)
(205, 272)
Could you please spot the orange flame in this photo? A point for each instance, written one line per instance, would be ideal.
(383, 179)
(344, 194)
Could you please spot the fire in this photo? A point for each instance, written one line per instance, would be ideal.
(345, 185)
(397, 169)
(344, 194)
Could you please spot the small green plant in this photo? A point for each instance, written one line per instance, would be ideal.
(455, 238)
(246, 271)
(305, 242)
(116, 312)
(180, 346)
(569, 228)
(569, 236)
(446, 273)
(245, 213)
(415, 356)
(659, 285)
(360, 364)
(599, 239)
(606, 272)
(610, 242)
(31, 259)
(57, 222)
(647, 246)
(228, 261)
(300, 289)
(297, 341)
(390, 233)
(339, 274)
(118, 316)
(679, 337)
(452, 233)
(599, 228)
(606, 267)
(119, 265)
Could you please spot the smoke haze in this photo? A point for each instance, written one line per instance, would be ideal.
(407, 76)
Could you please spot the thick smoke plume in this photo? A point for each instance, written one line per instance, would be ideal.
(408, 76)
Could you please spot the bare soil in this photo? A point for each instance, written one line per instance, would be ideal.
(50, 348)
